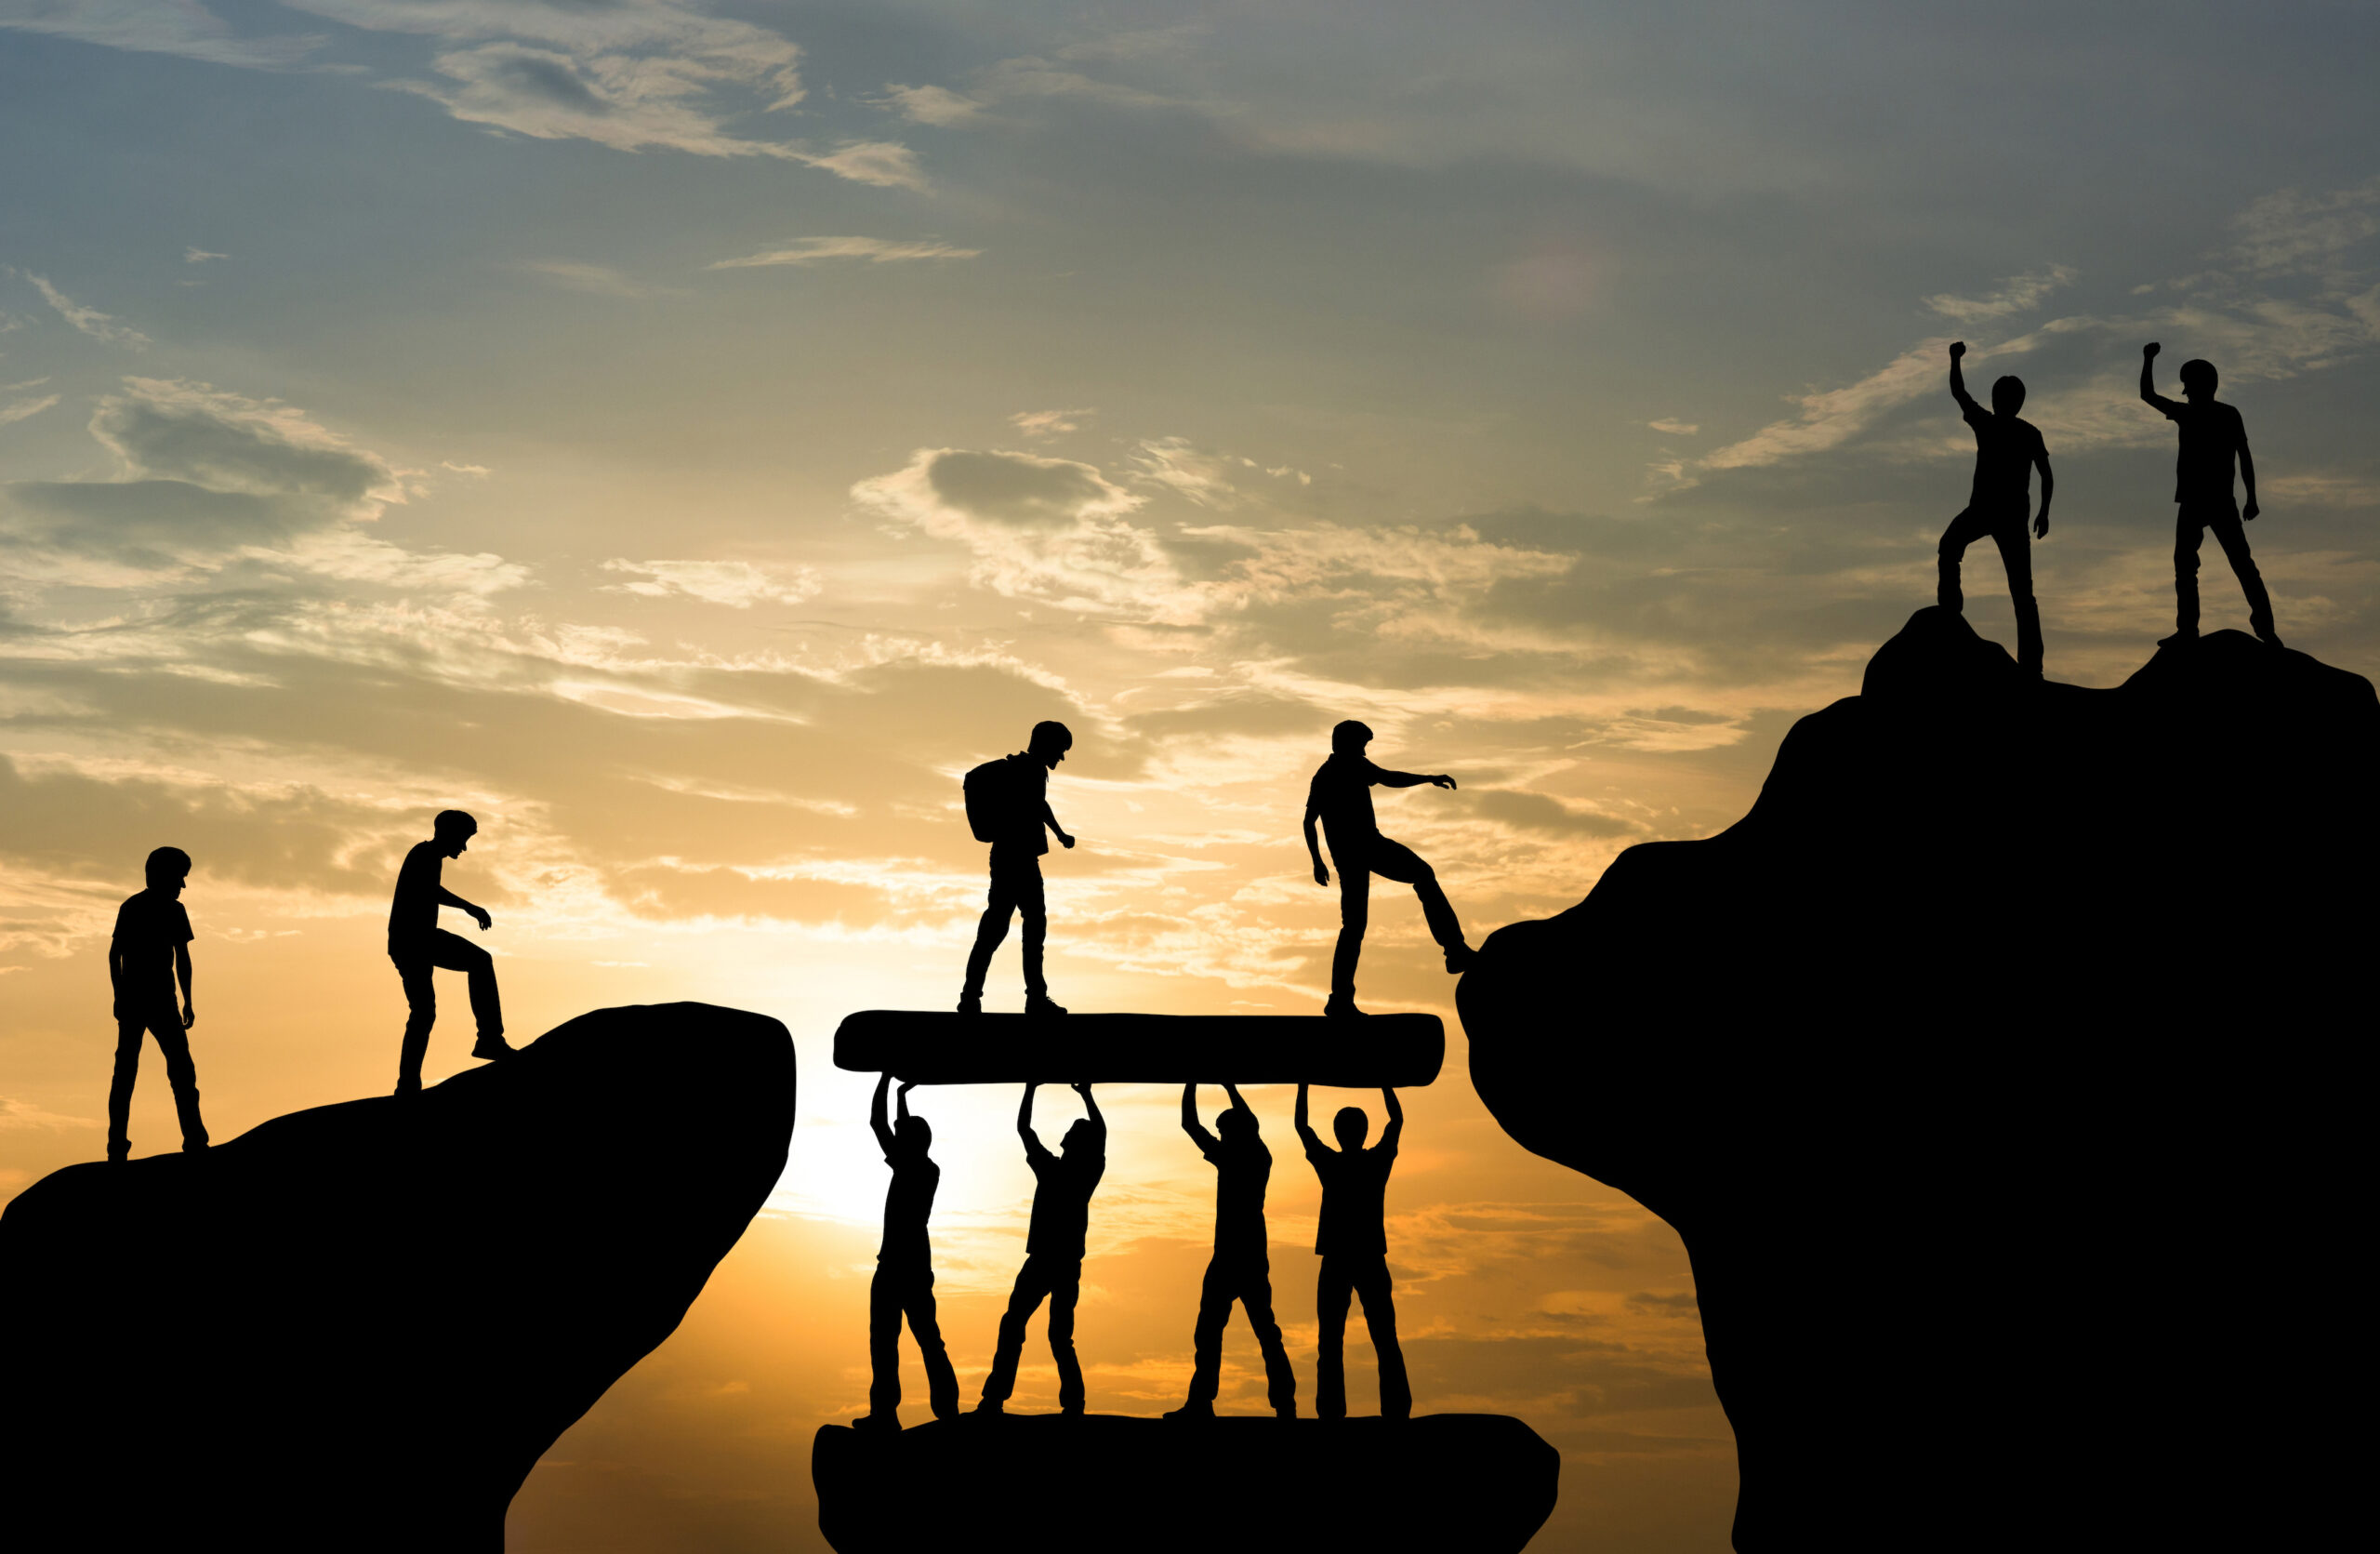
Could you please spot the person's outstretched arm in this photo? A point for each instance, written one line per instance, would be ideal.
(448, 898)
(1968, 407)
(1190, 1123)
(1395, 1129)
(2247, 470)
(1412, 780)
(1098, 1123)
(2149, 380)
(876, 1121)
(181, 970)
(1033, 1146)
(1049, 819)
(1314, 847)
(1314, 1146)
(2040, 457)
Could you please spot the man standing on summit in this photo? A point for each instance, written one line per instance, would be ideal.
(2006, 449)
(2213, 435)
(1008, 805)
(1341, 798)
(418, 945)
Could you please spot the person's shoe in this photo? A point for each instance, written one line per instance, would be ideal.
(991, 1406)
(1039, 1003)
(408, 1088)
(1191, 1411)
(119, 1153)
(493, 1047)
(970, 1004)
(1287, 1411)
(1459, 959)
(2179, 638)
(1341, 1008)
(2270, 638)
(193, 1146)
(878, 1424)
(1073, 1412)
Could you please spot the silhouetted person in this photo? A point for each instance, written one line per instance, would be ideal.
(1340, 797)
(1241, 1268)
(417, 944)
(904, 1283)
(1053, 1245)
(2212, 436)
(1008, 803)
(1353, 1242)
(2006, 449)
(148, 955)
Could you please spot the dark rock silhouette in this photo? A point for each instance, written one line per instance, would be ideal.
(1476, 1482)
(1984, 1070)
(357, 1327)
(937, 1048)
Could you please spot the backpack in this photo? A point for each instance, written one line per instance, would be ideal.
(991, 797)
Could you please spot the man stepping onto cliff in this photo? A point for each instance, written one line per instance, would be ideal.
(2006, 449)
(2213, 437)
(1353, 1242)
(1340, 797)
(1241, 1267)
(1054, 1247)
(904, 1283)
(148, 954)
(1008, 805)
(418, 946)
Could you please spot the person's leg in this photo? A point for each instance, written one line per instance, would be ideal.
(128, 1036)
(173, 1040)
(421, 1013)
(454, 952)
(1379, 1315)
(1280, 1381)
(1964, 530)
(2188, 534)
(1206, 1338)
(1023, 1301)
(884, 1343)
(942, 1381)
(1034, 909)
(1065, 1288)
(2016, 554)
(1331, 1287)
(1394, 861)
(1354, 916)
(2233, 537)
(990, 929)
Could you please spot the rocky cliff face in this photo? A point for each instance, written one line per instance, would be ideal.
(358, 1326)
(1994, 1070)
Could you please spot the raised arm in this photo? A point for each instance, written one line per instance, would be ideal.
(876, 1121)
(1968, 407)
(2247, 473)
(2149, 380)
(1190, 1123)
(1236, 1104)
(1305, 1129)
(1395, 1129)
(1098, 1123)
(1033, 1146)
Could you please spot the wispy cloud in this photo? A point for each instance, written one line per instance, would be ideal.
(934, 105)
(737, 584)
(872, 250)
(1674, 426)
(183, 27)
(90, 321)
(25, 409)
(595, 280)
(200, 256)
(1042, 425)
(2018, 294)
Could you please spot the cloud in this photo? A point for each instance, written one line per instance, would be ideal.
(24, 409)
(1540, 811)
(2018, 294)
(92, 322)
(165, 428)
(886, 164)
(871, 250)
(934, 105)
(595, 280)
(2292, 231)
(739, 585)
(182, 27)
(1246, 712)
(200, 256)
(17, 1114)
(1674, 426)
(1042, 425)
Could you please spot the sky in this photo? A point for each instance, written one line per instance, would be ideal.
(689, 437)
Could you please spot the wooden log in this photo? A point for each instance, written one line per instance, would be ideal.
(945, 1047)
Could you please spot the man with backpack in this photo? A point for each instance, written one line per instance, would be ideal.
(1008, 805)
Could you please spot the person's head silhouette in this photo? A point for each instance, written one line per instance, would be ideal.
(1082, 1134)
(1350, 738)
(454, 831)
(1050, 743)
(1235, 1123)
(2198, 379)
(914, 1133)
(2008, 395)
(166, 869)
(1351, 1126)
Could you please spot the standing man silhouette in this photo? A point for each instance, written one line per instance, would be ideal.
(1241, 1267)
(1353, 1242)
(2212, 436)
(1054, 1247)
(2006, 449)
(148, 955)
(1341, 798)
(1008, 803)
(903, 1283)
(417, 944)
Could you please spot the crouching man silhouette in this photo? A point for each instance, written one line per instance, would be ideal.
(1352, 1241)
(2006, 449)
(418, 946)
(1054, 1247)
(148, 955)
(2212, 436)
(1241, 1269)
(1341, 798)
(904, 1283)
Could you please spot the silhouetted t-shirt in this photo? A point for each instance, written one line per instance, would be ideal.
(908, 1203)
(1355, 1194)
(149, 928)
(1340, 796)
(1061, 1198)
(2212, 437)
(1243, 1166)
(413, 914)
(2006, 447)
(1024, 793)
